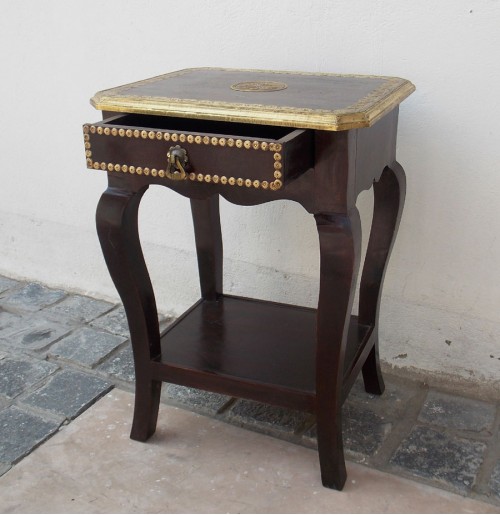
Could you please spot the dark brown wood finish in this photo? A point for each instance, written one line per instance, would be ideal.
(285, 355)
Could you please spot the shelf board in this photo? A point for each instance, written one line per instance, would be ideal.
(250, 348)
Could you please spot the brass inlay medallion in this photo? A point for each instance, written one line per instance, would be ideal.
(264, 85)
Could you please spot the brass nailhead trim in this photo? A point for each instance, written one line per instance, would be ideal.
(230, 142)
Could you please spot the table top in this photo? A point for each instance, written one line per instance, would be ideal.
(321, 101)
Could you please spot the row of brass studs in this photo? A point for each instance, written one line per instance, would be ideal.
(167, 136)
(232, 181)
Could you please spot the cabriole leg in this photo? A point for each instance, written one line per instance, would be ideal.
(389, 196)
(117, 228)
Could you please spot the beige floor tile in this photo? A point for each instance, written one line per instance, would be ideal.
(196, 464)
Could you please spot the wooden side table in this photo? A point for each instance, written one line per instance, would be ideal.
(254, 137)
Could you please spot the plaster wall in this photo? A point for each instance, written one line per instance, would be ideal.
(440, 310)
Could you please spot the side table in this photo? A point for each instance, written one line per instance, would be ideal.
(254, 137)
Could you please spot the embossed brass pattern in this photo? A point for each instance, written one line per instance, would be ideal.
(244, 145)
(263, 85)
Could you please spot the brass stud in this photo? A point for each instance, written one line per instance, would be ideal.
(87, 144)
(197, 139)
(110, 167)
(223, 180)
(207, 178)
(276, 185)
(277, 174)
(88, 153)
(215, 179)
(256, 145)
(107, 131)
(146, 171)
(166, 136)
(89, 162)
(85, 129)
(199, 177)
(138, 170)
(192, 176)
(222, 142)
(144, 134)
(92, 129)
(161, 173)
(230, 142)
(190, 138)
(256, 183)
(153, 172)
(247, 144)
(103, 166)
(239, 143)
(271, 147)
(264, 185)
(159, 135)
(277, 157)
(174, 137)
(182, 138)
(231, 181)
(114, 131)
(86, 137)
(117, 168)
(214, 141)
(277, 147)
(131, 169)
(128, 133)
(206, 140)
(248, 183)
(277, 165)
(151, 135)
(239, 181)
(125, 168)
(95, 166)
(100, 130)
(264, 145)
(136, 133)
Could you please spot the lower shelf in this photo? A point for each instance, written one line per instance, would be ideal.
(250, 348)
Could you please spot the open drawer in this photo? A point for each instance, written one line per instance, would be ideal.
(224, 153)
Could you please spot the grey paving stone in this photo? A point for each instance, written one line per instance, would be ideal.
(31, 332)
(31, 298)
(114, 322)
(77, 308)
(453, 462)
(363, 431)
(21, 432)
(270, 418)
(121, 365)
(197, 400)
(7, 284)
(457, 412)
(4, 467)
(68, 393)
(86, 346)
(392, 402)
(19, 374)
(495, 481)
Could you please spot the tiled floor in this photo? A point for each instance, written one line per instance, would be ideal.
(60, 353)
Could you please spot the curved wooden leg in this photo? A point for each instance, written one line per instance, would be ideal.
(389, 196)
(117, 228)
(340, 242)
(208, 237)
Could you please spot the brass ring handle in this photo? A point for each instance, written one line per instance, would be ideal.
(177, 161)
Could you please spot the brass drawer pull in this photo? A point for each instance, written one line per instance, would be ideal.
(177, 160)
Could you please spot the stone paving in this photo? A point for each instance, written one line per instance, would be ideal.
(60, 352)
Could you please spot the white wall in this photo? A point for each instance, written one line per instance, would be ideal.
(442, 283)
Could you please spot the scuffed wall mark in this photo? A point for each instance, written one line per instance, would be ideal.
(448, 342)
(401, 356)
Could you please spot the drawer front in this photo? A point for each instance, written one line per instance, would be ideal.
(253, 162)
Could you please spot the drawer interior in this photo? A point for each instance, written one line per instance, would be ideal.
(200, 126)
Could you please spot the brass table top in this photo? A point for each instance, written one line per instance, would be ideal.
(320, 101)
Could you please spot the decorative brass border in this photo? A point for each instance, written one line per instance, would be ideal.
(363, 113)
(239, 143)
